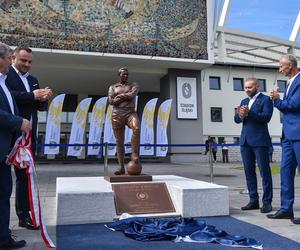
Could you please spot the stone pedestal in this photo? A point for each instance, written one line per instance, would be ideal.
(193, 198)
(81, 200)
(91, 199)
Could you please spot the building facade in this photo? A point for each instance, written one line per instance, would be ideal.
(79, 46)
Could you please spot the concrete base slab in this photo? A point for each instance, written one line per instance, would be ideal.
(82, 200)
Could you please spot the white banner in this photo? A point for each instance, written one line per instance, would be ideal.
(162, 123)
(109, 136)
(78, 127)
(96, 126)
(128, 132)
(147, 130)
(186, 98)
(53, 125)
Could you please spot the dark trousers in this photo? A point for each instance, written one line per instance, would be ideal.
(206, 150)
(260, 154)
(225, 155)
(289, 160)
(214, 152)
(5, 193)
(22, 195)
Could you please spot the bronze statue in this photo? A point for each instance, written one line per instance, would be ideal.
(122, 97)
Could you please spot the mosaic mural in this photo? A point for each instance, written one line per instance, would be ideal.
(171, 28)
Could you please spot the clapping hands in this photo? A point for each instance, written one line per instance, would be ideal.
(43, 94)
(243, 111)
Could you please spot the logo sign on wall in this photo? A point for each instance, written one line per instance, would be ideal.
(186, 98)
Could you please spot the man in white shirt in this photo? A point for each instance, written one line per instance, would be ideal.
(30, 98)
(254, 113)
(290, 141)
(10, 127)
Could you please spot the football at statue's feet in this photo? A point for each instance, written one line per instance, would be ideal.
(134, 168)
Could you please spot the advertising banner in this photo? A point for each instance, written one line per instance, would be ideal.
(53, 125)
(96, 126)
(147, 127)
(162, 124)
(78, 127)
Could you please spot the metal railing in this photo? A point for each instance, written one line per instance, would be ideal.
(106, 156)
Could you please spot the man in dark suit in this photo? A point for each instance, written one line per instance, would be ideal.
(290, 141)
(10, 126)
(255, 112)
(30, 98)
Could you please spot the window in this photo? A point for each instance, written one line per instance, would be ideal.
(214, 82)
(216, 114)
(281, 85)
(236, 140)
(262, 85)
(238, 84)
(220, 140)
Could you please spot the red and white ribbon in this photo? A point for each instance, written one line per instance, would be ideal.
(21, 156)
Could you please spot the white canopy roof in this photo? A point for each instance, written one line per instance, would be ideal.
(241, 47)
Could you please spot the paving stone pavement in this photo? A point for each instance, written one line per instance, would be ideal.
(224, 174)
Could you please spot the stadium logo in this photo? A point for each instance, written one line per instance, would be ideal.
(186, 90)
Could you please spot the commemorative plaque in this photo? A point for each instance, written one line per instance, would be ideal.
(142, 198)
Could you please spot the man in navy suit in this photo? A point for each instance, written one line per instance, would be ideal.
(255, 112)
(290, 141)
(10, 126)
(30, 98)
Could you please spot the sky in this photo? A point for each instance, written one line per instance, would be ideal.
(269, 17)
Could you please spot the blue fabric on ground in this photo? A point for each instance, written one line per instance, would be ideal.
(147, 229)
(96, 237)
(181, 229)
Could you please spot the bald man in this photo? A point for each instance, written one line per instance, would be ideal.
(254, 113)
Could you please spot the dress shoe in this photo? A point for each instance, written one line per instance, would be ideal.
(266, 208)
(296, 221)
(12, 244)
(251, 206)
(27, 223)
(281, 215)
